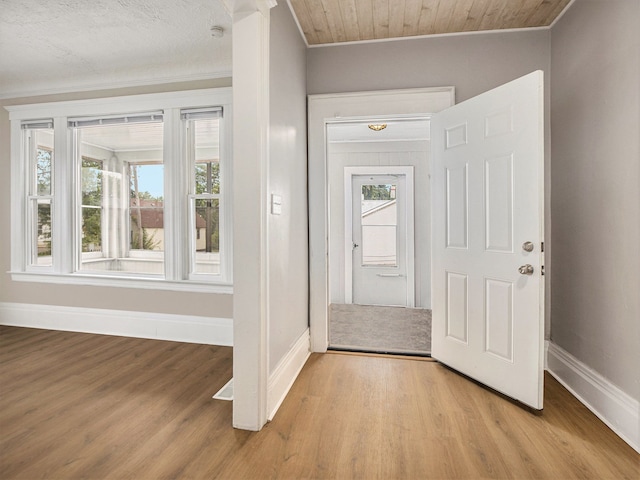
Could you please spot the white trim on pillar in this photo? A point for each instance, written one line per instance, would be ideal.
(250, 165)
(240, 8)
(285, 373)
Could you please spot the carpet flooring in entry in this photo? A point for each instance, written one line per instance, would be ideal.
(373, 328)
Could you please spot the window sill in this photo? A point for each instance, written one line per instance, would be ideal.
(122, 282)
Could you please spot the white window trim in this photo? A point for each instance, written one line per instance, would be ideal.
(224, 199)
(176, 187)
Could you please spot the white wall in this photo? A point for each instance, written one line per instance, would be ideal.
(595, 118)
(127, 299)
(288, 285)
(271, 341)
(414, 153)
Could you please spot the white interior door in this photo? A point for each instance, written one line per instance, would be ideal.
(379, 236)
(487, 224)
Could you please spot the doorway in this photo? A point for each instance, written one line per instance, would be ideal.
(379, 212)
(326, 186)
(488, 227)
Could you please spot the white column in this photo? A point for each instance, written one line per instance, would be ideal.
(63, 207)
(250, 171)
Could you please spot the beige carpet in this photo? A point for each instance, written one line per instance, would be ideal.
(380, 329)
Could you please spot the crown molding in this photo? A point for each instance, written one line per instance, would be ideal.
(11, 94)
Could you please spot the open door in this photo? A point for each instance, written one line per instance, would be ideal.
(487, 230)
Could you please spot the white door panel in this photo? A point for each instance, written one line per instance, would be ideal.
(487, 202)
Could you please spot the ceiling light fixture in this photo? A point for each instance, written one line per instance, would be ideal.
(376, 127)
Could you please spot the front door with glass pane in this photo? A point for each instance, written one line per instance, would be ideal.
(379, 240)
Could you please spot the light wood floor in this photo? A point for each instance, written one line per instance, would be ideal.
(87, 406)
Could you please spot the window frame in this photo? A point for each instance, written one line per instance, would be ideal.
(80, 206)
(32, 195)
(66, 195)
(189, 134)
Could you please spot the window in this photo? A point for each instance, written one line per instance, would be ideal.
(38, 148)
(91, 205)
(121, 213)
(202, 130)
(379, 226)
(137, 193)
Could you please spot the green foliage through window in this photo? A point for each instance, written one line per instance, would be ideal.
(207, 210)
(91, 205)
(43, 171)
(378, 192)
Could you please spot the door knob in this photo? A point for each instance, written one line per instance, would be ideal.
(527, 246)
(526, 269)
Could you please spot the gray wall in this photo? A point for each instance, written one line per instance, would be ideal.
(288, 238)
(471, 63)
(595, 121)
(156, 301)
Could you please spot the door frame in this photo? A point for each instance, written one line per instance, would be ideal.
(349, 173)
(324, 109)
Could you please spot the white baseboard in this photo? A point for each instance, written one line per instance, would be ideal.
(157, 326)
(286, 372)
(613, 406)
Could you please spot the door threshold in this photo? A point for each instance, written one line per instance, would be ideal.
(380, 353)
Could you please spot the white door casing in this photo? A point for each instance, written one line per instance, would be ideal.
(378, 284)
(323, 109)
(487, 201)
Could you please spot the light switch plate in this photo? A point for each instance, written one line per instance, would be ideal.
(276, 204)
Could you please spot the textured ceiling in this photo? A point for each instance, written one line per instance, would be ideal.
(52, 45)
(336, 21)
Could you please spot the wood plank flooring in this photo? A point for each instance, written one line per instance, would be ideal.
(88, 406)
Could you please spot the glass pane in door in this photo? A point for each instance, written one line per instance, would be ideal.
(379, 225)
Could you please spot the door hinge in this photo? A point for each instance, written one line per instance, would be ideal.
(542, 246)
(542, 270)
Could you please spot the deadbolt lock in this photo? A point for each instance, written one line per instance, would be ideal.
(526, 269)
(527, 246)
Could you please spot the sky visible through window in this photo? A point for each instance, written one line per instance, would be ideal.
(150, 179)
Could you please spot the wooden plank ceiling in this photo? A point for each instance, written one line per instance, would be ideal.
(335, 21)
